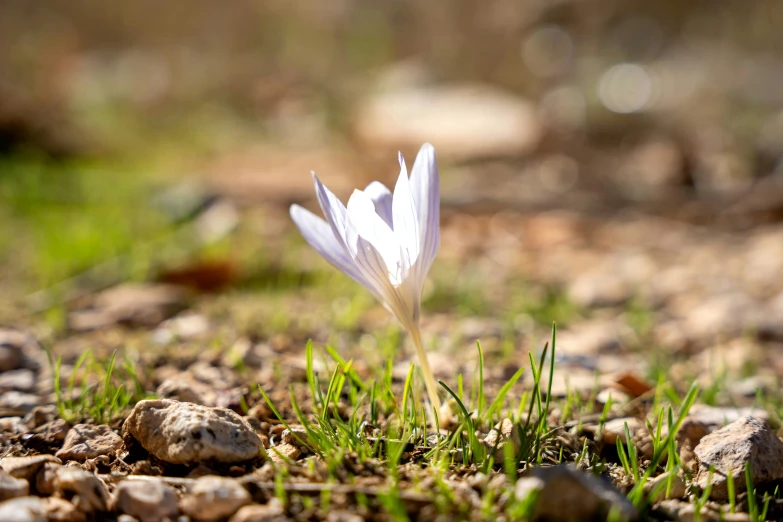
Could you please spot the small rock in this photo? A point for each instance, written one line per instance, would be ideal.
(734, 517)
(40, 415)
(12, 425)
(22, 380)
(745, 441)
(60, 510)
(594, 337)
(11, 487)
(182, 432)
(615, 429)
(282, 452)
(447, 414)
(134, 304)
(690, 434)
(686, 512)
(10, 357)
(183, 327)
(296, 436)
(54, 431)
(213, 498)
(616, 396)
(23, 509)
(593, 290)
(86, 441)
(260, 411)
(478, 481)
(148, 500)
(19, 350)
(342, 515)
(717, 416)
(186, 390)
(661, 483)
(26, 467)
(527, 486)
(260, 513)
(498, 483)
(46, 477)
(727, 314)
(462, 121)
(565, 493)
(503, 432)
(14, 403)
(91, 493)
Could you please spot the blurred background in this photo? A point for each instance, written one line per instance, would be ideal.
(603, 153)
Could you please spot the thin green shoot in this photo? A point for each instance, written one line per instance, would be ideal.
(753, 508)
(732, 491)
(636, 495)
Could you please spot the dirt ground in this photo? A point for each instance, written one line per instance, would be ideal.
(171, 349)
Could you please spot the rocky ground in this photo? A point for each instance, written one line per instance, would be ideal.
(173, 424)
(171, 349)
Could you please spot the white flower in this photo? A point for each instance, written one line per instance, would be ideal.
(385, 242)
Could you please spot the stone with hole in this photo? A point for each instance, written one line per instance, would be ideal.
(186, 433)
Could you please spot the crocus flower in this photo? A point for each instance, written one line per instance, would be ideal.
(385, 242)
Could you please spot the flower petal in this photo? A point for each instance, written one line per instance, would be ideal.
(406, 225)
(333, 209)
(382, 198)
(425, 186)
(368, 225)
(398, 299)
(319, 235)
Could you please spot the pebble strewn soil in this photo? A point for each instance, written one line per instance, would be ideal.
(209, 447)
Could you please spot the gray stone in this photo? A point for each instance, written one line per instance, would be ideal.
(19, 350)
(268, 512)
(462, 121)
(60, 510)
(746, 441)
(213, 498)
(45, 478)
(660, 484)
(186, 390)
(87, 441)
(296, 436)
(23, 509)
(182, 432)
(283, 452)
(26, 467)
(134, 304)
(14, 402)
(147, 500)
(566, 494)
(719, 416)
(12, 425)
(91, 493)
(22, 379)
(615, 429)
(11, 487)
(504, 432)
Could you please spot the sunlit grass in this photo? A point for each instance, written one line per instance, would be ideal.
(96, 390)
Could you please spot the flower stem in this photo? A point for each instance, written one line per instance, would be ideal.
(429, 379)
